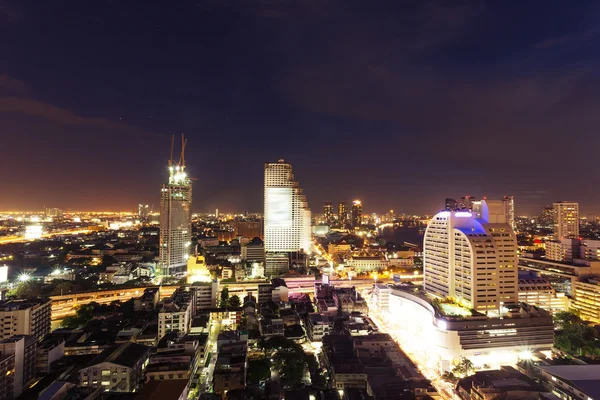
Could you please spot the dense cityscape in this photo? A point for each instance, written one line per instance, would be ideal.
(470, 302)
(299, 200)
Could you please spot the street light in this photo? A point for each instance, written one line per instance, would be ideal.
(24, 277)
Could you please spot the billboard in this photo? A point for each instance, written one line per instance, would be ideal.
(278, 207)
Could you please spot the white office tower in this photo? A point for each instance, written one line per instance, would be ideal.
(472, 257)
(509, 211)
(287, 219)
(566, 220)
(175, 218)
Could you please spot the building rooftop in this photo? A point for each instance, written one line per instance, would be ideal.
(162, 390)
(584, 377)
(15, 305)
(127, 354)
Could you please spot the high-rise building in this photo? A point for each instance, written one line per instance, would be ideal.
(356, 213)
(472, 257)
(143, 214)
(509, 210)
(287, 218)
(566, 220)
(175, 218)
(342, 213)
(23, 349)
(328, 212)
(451, 204)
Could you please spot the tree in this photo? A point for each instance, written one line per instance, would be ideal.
(464, 367)
(291, 364)
(234, 301)
(224, 297)
(259, 370)
(61, 288)
(25, 290)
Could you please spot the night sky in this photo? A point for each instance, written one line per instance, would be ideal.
(398, 103)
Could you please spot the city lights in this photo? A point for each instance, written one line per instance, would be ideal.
(24, 277)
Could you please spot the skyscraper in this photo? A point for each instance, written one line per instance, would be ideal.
(466, 203)
(356, 213)
(143, 214)
(175, 218)
(566, 220)
(287, 218)
(328, 212)
(342, 213)
(509, 210)
(451, 204)
(472, 256)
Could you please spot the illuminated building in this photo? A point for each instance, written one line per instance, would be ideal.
(175, 218)
(356, 213)
(538, 292)
(509, 210)
(364, 261)
(586, 299)
(546, 218)
(576, 382)
(23, 349)
(287, 218)
(143, 214)
(33, 232)
(328, 212)
(450, 204)
(197, 270)
(443, 333)
(472, 257)
(566, 220)
(253, 251)
(589, 250)
(342, 213)
(177, 312)
(563, 250)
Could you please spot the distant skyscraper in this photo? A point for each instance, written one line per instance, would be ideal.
(143, 214)
(175, 218)
(328, 212)
(546, 218)
(356, 213)
(566, 220)
(455, 264)
(342, 213)
(466, 203)
(451, 204)
(287, 219)
(509, 210)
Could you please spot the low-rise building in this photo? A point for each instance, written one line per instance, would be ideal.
(230, 368)
(48, 351)
(271, 327)
(23, 349)
(574, 382)
(177, 312)
(364, 261)
(118, 369)
(586, 299)
(25, 317)
(207, 294)
(318, 325)
(148, 300)
(537, 291)
(505, 383)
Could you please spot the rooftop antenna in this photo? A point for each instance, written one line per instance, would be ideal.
(182, 157)
(172, 144)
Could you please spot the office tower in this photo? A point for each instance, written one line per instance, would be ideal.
(472, 256)
(53, 212)
(342, 213)
(356, 213)
(466, 203)
(509, 210)
(175, 217)
(328, 212)
(451, 204)
(25, 317)
(217, 213)
(143, 214)
(249, 229)
(287, 219)
(566, 220)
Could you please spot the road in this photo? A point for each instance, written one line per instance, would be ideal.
(21, 239)
(445, 389)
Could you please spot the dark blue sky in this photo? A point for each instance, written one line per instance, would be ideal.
(399, 103)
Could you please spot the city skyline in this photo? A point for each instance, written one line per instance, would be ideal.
(444, 103)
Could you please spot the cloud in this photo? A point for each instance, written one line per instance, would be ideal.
(568, 39)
